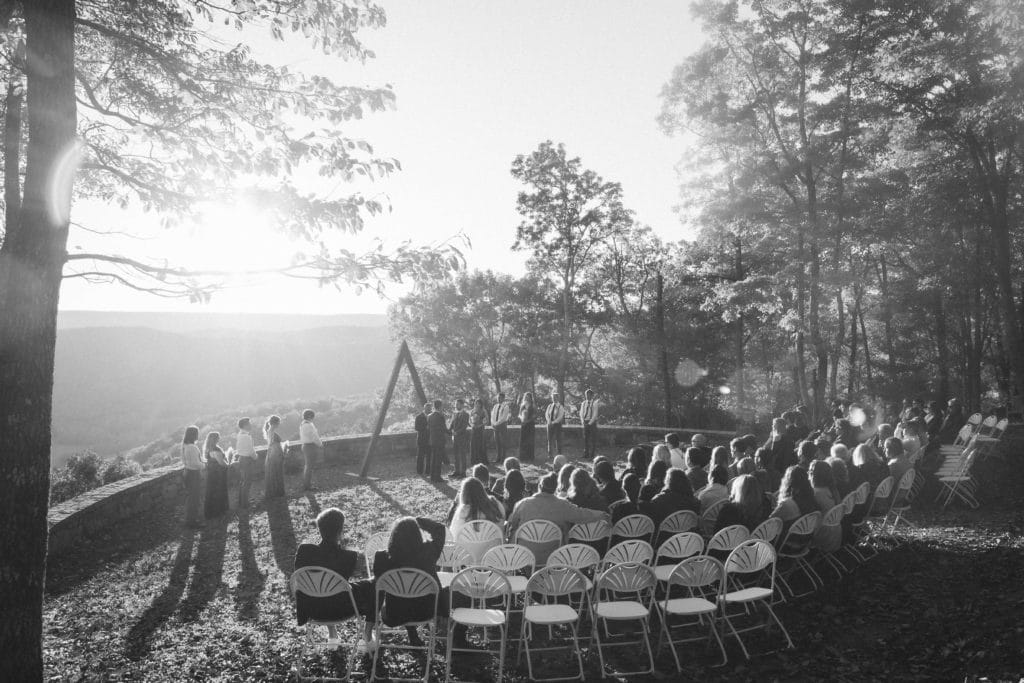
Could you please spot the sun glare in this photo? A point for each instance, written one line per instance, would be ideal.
(237, 238)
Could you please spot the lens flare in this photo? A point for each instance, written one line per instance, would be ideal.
(724, 390)
(61, 182)
(688, 373)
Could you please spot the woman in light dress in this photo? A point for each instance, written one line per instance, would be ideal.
(274, 470)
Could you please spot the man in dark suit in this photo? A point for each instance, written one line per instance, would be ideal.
(459, 428)
(422, 441)
(438, 430)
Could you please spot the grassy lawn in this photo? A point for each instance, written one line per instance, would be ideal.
(156, 602)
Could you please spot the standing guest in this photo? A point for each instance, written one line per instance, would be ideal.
(952, 422)
(823, 484)
(422, 441)
(747, 505)
(478, 441)
(528, 422)
(636, 462)
(216, 477)
(273, 474)
(565, 480)
(607, 484)
(474, 504)
(438, 428)
(630, 504)
(459, 427)
(695, 471)
(583, 491)
(677, 458)
(245, 456)
(312, 447)
(554, 416)
(501, 413)
(675, 496)
(781, 446)
(716, 489)
(192, 469)
(590, 410)
(515, 491)
(546, 505)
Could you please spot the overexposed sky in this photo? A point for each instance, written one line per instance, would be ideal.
(476, 84)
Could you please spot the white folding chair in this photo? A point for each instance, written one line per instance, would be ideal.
(709, 519)
(725, 540)
(676, 549)
(578, 556)
(516, 562)
(795, 547)
(540, 536)
(753, 561)
(405, 584)
(322, 583)
(640, 527)
(828, 539)
(479, 536)
(378, 541)
(490, 597)
(627, 551)
(901, 500)
(678, 522)
(546, 594)
(596, 534)
(769, 531)
(960, 485)
(624, 593)
(453, 559)
(878, 511)
(702, 577)
(859, 525)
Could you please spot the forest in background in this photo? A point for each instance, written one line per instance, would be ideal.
(855, 192)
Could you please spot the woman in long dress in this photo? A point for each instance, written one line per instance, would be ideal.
(528, 420)
(274, 470)
(477, 442)
(216, 477)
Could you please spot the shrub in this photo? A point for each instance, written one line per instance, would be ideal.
(86, 471)
(119, 468)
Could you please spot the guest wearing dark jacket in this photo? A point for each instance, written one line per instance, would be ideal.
(329, 554)
(422, 441)
(677, 495)
(952, 422)
(695, 472)
(780, 446)
(583, 492)
(655, 481)
(630, 504)
(437, 427)
(609, 487)
(636, 463)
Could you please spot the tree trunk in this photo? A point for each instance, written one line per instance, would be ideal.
(942, 342)
(799, 369)
(666, 378)
(741, 385)
(867, 352)
(851, 380)
(12, 155)
(31, 261)
(563, 351)
(890, 345)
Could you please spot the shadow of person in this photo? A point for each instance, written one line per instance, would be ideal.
(390, 500)
(251, 580)
(137, 641)
(314, 504)
(208, 573)
(282, 534)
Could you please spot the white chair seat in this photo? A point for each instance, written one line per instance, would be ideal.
(620, 609)
(689, 606)
(445, 578)
(550, 614)
(747, 595)
(955, 478)
(663, 571)
(478, 617)
(517, 583)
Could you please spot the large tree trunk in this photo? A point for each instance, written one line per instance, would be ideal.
(31, 261)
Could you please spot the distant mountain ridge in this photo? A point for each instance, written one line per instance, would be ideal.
(119, 385)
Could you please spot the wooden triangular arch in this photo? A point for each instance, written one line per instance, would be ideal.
(404, 356)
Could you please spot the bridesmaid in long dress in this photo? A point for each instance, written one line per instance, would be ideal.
(216, 477)
(274, 471)
(477, 442)
(528, 419)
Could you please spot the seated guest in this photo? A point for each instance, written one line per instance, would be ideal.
(933, 420)
(661, 452)
(806, 453)
(745, 465)
(823, 485)
(954, 420)
(899, 462)
(780, 446)
(823, 447)
(546, 505)
(912, 435)
(655, 480)
(766, 474)
(636, 462)
(515, 491)
(737, 451)
(840, 475)
(867, 466)
(407, 549)
(475, 504)
(747, 505)
(676, 457)
(839, 451)
(846, 433)
(607, 485)
(630, 505)
(715, 490)
(330, 554)
(564, 477)
(499, 485)
(676, 495)
(703, 451)
(877, 440)
(695, 471)
(583, 491)
(480, 473)
(558, 462)
(796, 498)
(719, 458)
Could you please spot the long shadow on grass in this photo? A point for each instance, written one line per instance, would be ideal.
(137, 640)
(251, 580)
(282, 534)
(400, 506)
(208, 574)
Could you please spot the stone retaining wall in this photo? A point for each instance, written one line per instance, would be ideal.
(103, 507)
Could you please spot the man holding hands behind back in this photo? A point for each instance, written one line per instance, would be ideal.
(500, 415)
(555, 418)
(588, 418)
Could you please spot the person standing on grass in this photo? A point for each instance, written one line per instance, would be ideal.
(459, 428)
(312, 446)
(589, 416)
(438, 428)
(216, 477)
(528, 422)
(422, 441)
(555, 418)
(245, 456)
(501, 413)
(273, 477)
(478, 441)
(192, 468)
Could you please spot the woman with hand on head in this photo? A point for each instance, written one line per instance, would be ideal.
(192, 467)
(274, 469)
(216, 477)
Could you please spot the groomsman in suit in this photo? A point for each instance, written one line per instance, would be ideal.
(555, 418)
(459, 428)
(501, 413)
(422, 441)
(437, 427)
(589, 416)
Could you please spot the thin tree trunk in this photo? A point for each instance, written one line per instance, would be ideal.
(12, 155)
(666, 379)
(941, 341)
(867, 352)
(741, 386)
(851, 380)
(31, 261)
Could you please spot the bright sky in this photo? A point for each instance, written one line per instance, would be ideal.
(476, 83)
